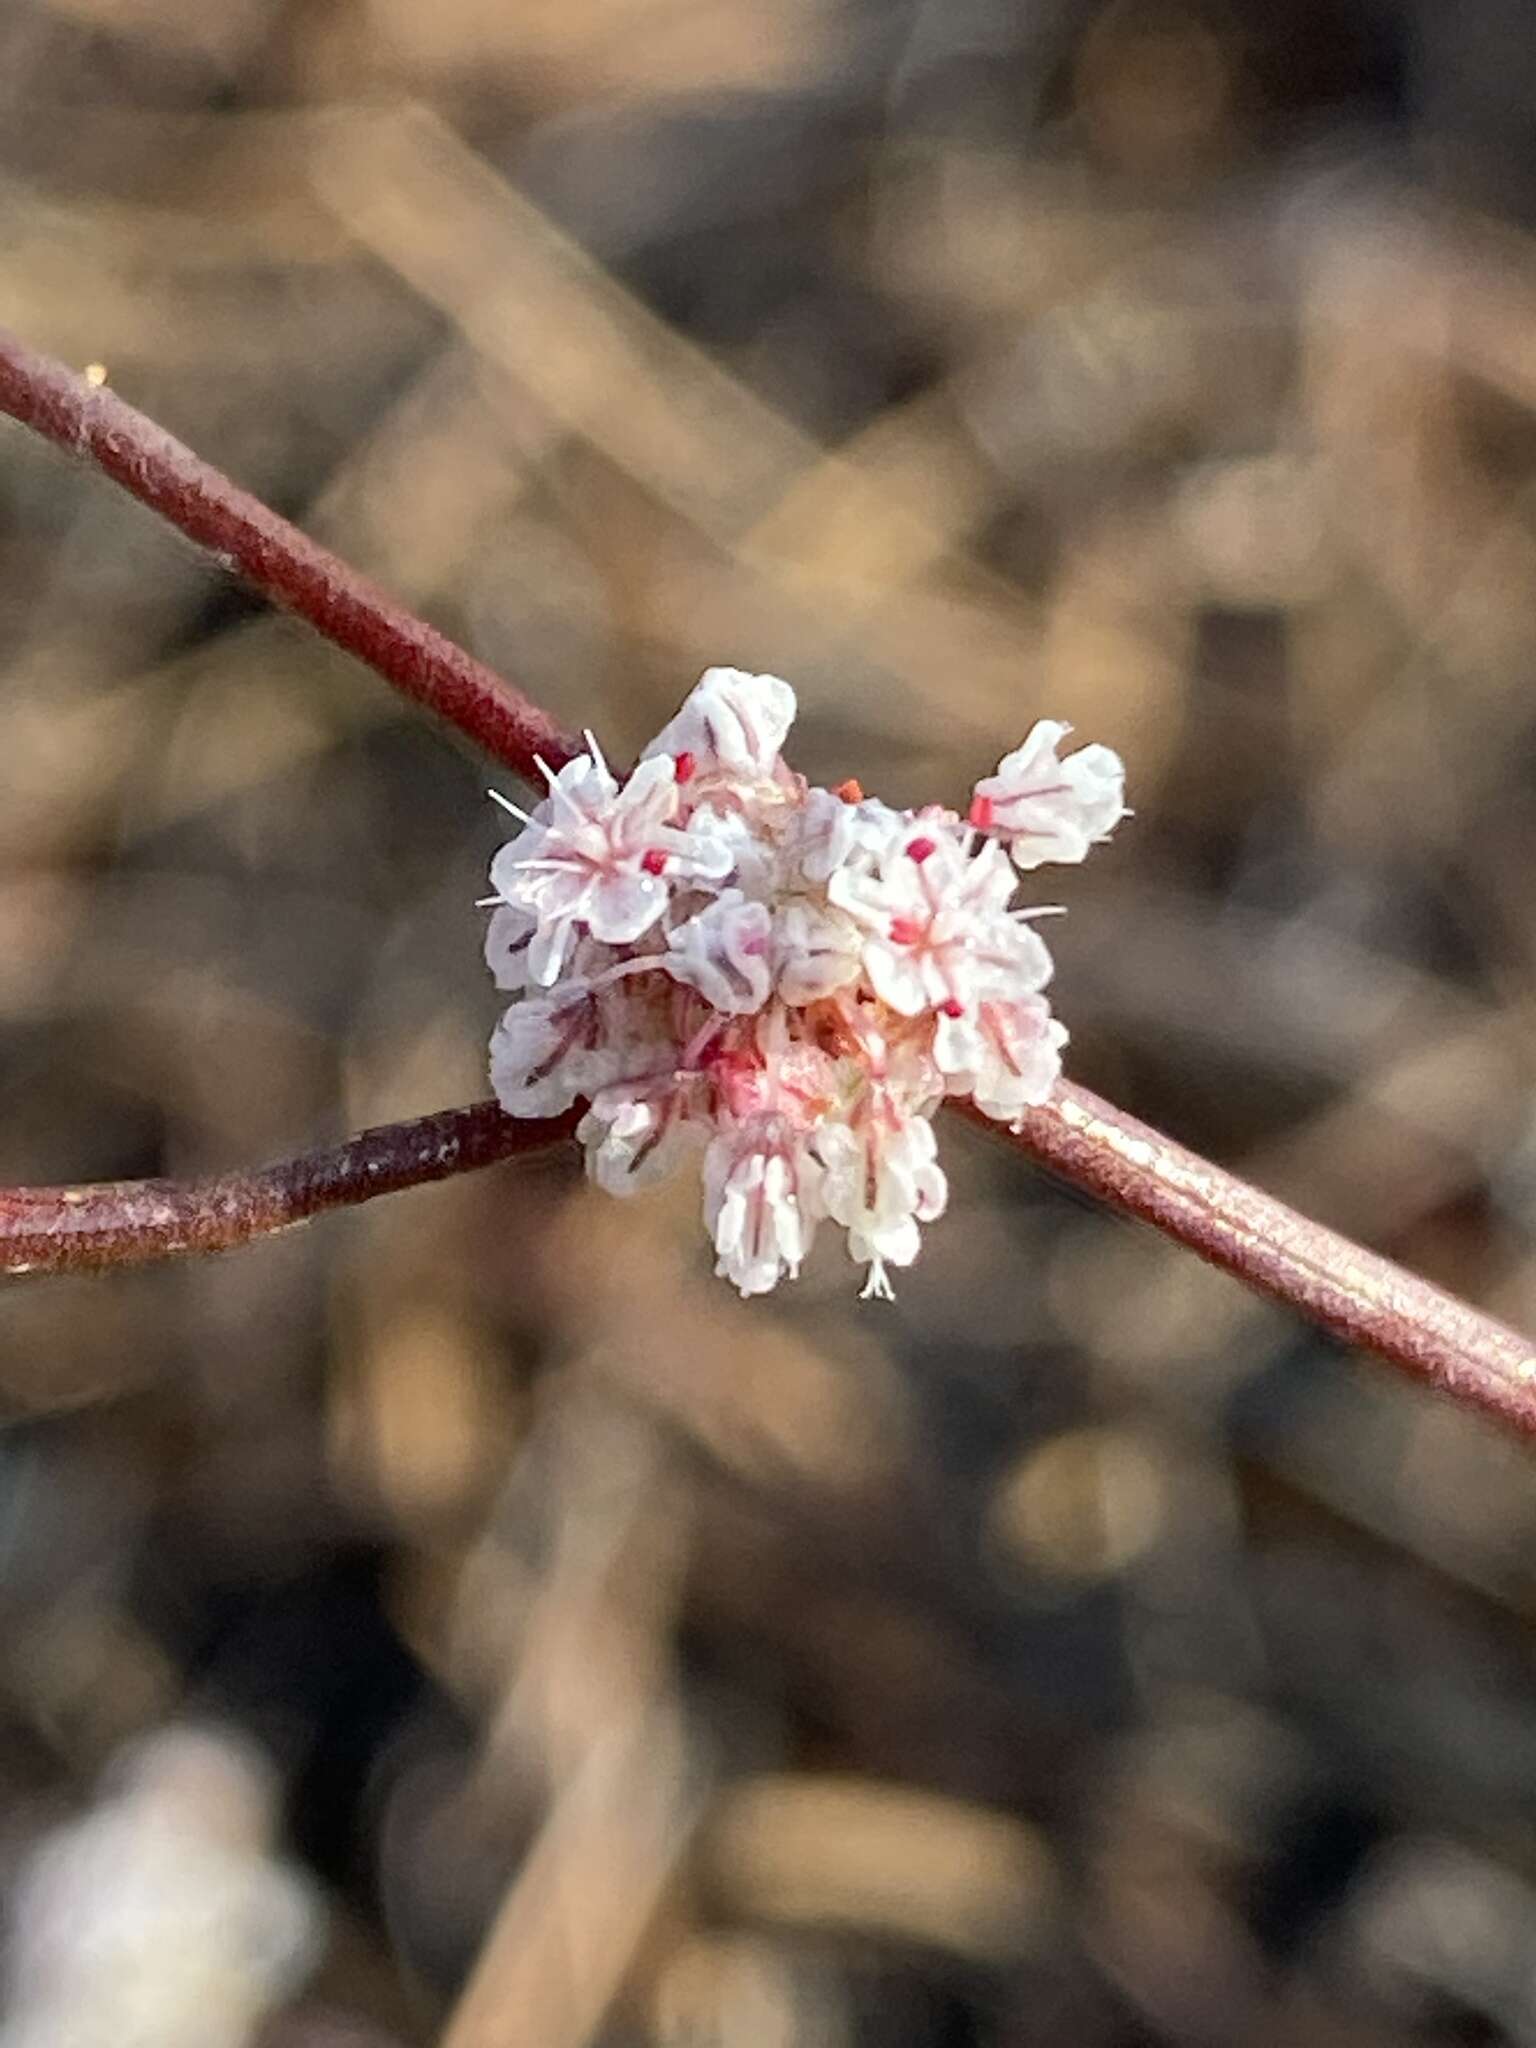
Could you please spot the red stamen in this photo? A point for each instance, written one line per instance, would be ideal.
(905, 931)
(653, 860)
(849, 791)
(982, 813)
(952, 1007)
(919, 849)
(684, 765)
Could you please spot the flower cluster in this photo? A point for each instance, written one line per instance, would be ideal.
(718, 957)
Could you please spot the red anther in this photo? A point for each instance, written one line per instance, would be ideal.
(919, 849)
(653, 860)
(849, 791)
(684, 764)
(952, 1007)
(982, 813)
(905, 931)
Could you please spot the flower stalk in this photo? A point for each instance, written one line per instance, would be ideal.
(244, 535)
(136, 1222)
(1354, 1294)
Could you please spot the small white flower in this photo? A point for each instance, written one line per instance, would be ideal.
(829, 832)
(731, 723)
(723, 952)
(1008, 1058)
(542, 1055)
(746, 857)
(939, 935)
(1048, 809)
(882, 1181)
(762, 1201)
(637, 1131)
(598, 856)
(163, 1914)
(816, 951)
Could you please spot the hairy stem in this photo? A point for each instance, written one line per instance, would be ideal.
(1361, 1298)
(294, 571)
(133, 1222)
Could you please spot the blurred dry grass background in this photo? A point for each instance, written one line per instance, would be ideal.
(1080, 1653)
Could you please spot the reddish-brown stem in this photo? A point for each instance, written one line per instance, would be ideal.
(1360, 1297)
(286, 565)
(131, 1222)
(1353, 1293)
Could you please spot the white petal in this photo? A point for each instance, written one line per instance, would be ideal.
(815, 952)
(510, 869)
(1048, 809)
(649, 798)
(958, 1046)
(932, 1194)
(830, 834)
(723, 952)
(731, 722)
(623, 906)
(547, 950)
(635, 1141)
(895, 1244)
(720, 845)
(895, 977)
(506, 946)
(532, 1072)
(1022, 1063)
(1030, 966)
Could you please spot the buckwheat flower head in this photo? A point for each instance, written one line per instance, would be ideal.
(784, 981)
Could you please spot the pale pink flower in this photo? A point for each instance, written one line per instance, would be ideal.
(882, 1181)
(747, 857)
(1007, 1057)
(599, 856)
(939, 936)
(828, 832)
(723, 952)
(638, 1130)
(731, 723)
(816, 951)
(1045, 808)
(762, 1202)
(544, 1053)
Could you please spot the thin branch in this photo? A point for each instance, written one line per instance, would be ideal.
(294, 571)
(1353, 1293)
(133, 1222)
(1358, 1296)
